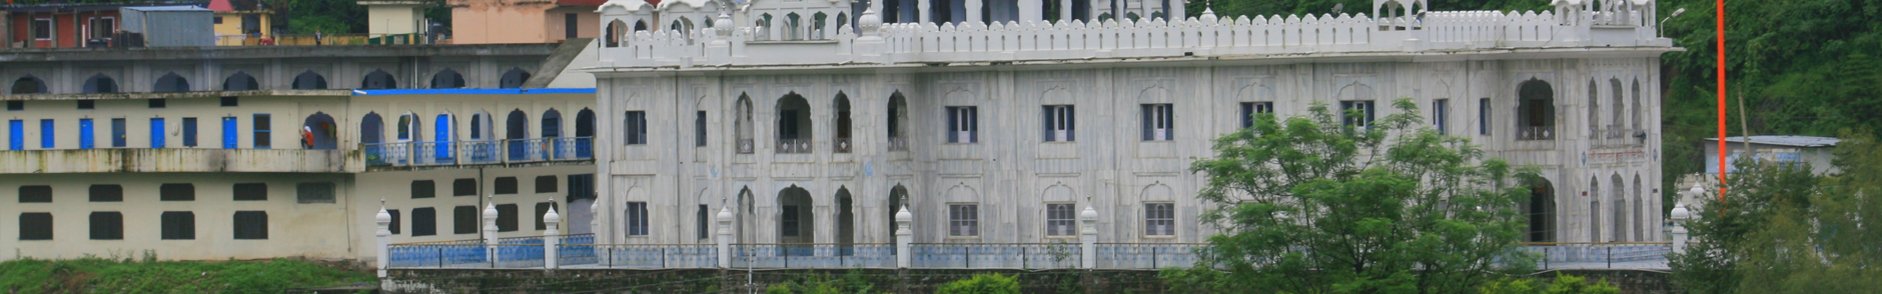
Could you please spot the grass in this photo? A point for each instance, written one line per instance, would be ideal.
(98, 275)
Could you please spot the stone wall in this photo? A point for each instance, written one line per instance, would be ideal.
(897, 281)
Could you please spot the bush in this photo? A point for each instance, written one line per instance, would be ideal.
(1563, 284)
(983, 284)
(852, 282)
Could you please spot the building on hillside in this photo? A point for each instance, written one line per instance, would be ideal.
(242, 22)
(398, 22)
(811, 123)
(61, 25)
(255, 152)
(1783, 149)
(167, 26)
(536, 21)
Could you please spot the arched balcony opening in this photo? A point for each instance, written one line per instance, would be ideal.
(516, 130)
(1535, 110)
(1541, 210)
(28, 85)
(513, 78)
(743, 125)
(616, 32)
(308, 80)
(170, 82)
(796, 221)
(371, 138)
(842, 106)
(794, 124)
(898, 197)
(898, 122)
(552, 135)
(1615, 111)
(443, 139)
(845, 223)
(447, 79)
(99, 83)
(1620, 209)
(584, 133)
(240, 81)
(1594, 110)
(318, 132)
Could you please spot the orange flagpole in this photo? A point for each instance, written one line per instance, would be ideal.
(1719, 46)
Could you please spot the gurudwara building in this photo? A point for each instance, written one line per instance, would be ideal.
(999, 121)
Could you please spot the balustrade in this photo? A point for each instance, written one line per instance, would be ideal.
(794, 146)
(479, 152)
(745, 146)
(1536, 133)
(898, 144)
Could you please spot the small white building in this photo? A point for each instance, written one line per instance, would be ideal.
(1784, 149)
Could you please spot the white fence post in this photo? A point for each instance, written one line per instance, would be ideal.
(384, 235)
(1088, 238)
(490, 233)
(725, 237)
(551, 238)
(904, 232)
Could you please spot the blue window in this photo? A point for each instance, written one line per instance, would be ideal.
(46, 138)
(229, 132)
(156, 132)
(16, 135)
(189, 132)
(84, 133)
(117, 132)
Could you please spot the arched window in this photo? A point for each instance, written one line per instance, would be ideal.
(616, 32)
(442, 137)
(1541, 210)
(1635, 110)
(640, 25)
(1618, 198)
(1594, 210)
(743, 126)
(240, 81)
(447, 79)
(817, 22)
(842, 106)
(1594, 110)
(318, 132)
(516, 129)
(29, 85)
(378, 79)
(513, 78)
(898, 122)
(99, 83)
(584, 133)
(308, 80)
(480, 127)
(793, 28)
(1615, 114)
(170, 82)
(1536, 112)
(794, 125)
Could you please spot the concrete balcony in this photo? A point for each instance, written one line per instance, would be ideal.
(119, 160)
(485, 152)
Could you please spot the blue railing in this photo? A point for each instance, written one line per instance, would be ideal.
(874, 255)
(479, 152)
(997, 255)
(1147, 255)
(447, 254)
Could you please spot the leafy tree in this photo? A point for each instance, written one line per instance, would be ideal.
(1563, 284)
(1314, 205)
(1782, 229)
(994, 283)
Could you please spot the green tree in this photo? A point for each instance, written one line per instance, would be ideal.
(1782, 229)
(1314, 205)
(994, 283)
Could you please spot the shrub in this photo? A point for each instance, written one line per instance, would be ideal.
(983, 284)
(1563, 284)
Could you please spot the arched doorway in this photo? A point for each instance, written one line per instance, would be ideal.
(551, 131)
(845, 223)
(898, 122)
(378, 79)
(318, 132)
(842, 106)
(170, 82)
(617, 30)
(1640, 204)
(442, 138)
(240, 81)
(516, 129)
(447, 79)
(308, 80)
(1535, 111)
(514, 78)
(1619, 195)
(1541, 210)
(743, 126)
(796, 223)
(746, 219)
(584, 133)
(1594, 209)
(99, 83)
(794, 124)
(898, 198)
(371, 129)
(29, 85)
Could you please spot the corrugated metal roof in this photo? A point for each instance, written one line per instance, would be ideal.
(1784, 140)
(473, 91)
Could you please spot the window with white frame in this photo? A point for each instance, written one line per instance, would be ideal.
(1061, 219)
(1158, 124)
(1160, 219)
(1057, 122)
(636, 218)
(1250, 109)
(963, 220)
(42, 29)
(962, 123)
(1357, 113)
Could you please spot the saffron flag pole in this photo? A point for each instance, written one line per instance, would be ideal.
(1719, 46)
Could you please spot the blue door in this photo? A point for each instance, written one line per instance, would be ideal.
(228, 132)
(16, 135)
(156, 133)
(442, 138)
(46, 138)
(189, 132)
(84, 133)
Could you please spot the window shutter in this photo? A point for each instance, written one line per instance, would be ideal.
(1149, 130)
(1169, 122)
(973, 125)
(953, 125)
(1046, 123)
(1071, 123)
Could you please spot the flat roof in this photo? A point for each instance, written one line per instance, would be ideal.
(1783, 140)
(468, 91)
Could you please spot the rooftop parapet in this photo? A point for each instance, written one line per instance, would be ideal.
(1206, 36)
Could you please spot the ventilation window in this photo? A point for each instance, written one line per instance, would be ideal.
(424, 189)
(314, 192)
(179, 225)
(251, 192)
(177, 192)
(36, 194)
(251, 225)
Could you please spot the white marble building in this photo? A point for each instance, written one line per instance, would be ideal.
(810, 127)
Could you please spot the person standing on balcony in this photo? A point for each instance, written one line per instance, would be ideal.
(316, 37)
(307, 137)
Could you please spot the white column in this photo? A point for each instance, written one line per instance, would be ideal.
(973, 11)
(1680, 216)
(904, 232)
(551, 237)
(1065, 10)
(384, 235)
(922, 9)
(1030, 10)
(725, 237)
(490, 231)
(1088, 237)
(1176, 9)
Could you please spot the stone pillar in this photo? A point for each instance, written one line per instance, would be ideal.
(490, 232)
(552, 237)
(921, 8)
(1088, 238)
(1680, 217)
(904, 231)
(725, 237)
(384, 235)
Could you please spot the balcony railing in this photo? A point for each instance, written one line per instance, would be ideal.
(478, 152)
(898, 144)
(745, 146)
(1531, 133)
(842, 145)
(793, 145)
(326, 40)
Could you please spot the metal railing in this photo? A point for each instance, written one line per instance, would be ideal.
(1147, 255)
(794, 145)
(898, 144)
(806, 255)
(842, 145)
(997, 255)
(442, 254)
(745, 146)
(328, 40)
(641, 256)
(478, 152)
(1585, 255)
(1530, 133)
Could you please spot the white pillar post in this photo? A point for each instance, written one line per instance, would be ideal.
(1065, 10)
(1088, 237)
(1030, 11)
(922, 9)
(552, 237)
(490, 232)
(1680, 216)
(973, 12)
(1176, 10)
(725, 237)
(904, 232)
(384, 235)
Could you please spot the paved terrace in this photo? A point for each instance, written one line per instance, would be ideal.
(1568, 29)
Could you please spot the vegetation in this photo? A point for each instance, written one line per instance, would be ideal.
(1563, 284)
(852, 282)
(1315, 205)
(96, 275)
(1782, 229)
(983, 284)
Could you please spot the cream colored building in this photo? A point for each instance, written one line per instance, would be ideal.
(277, 155)
(810, 128)
(534, 21)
